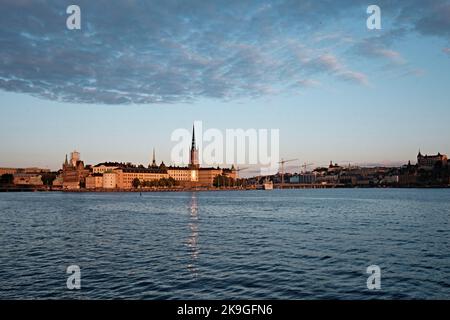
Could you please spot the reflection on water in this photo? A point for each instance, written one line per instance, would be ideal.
(192, 240)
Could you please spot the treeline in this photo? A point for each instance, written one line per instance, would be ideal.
(6, 179)
(225, 181)
(163, 182)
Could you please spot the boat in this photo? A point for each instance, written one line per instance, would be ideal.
(267, 185)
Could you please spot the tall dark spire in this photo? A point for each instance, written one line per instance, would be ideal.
(193, 137)
(154, 159)
(194, 151)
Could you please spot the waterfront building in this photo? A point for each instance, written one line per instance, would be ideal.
(74, 173)
(58, 182)
(391, 180)
(206, 176)
(94, 181)
(183, 174)
(31, 179)
(22, 170)
(407, 179)
(105, 166)
(334, 168)
(306, 178)
(429, 161)
(111, 175)
(109, 180)
(8, 171)
(125, 176)
(328, 179)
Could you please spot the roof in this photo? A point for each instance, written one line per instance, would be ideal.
(110, 164)
(143, 170)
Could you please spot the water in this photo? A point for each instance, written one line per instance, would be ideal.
(280, 244)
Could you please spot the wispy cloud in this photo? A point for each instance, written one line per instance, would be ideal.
(171, 51)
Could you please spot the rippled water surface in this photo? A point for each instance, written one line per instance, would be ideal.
(280, 244)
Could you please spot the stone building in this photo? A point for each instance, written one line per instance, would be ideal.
(429, 161)
(74, 172)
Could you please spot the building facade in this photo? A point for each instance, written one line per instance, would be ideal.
(105, 166)
(31, 179)
(111, 175)
(429, 161)
(74, 173)
(109, 180)
(125, 176)
(94, 181)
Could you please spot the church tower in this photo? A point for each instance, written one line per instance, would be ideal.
(194, 152)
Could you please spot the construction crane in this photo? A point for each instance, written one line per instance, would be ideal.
(306, 165)
(240, 169)
(282, 162)
(237, 170)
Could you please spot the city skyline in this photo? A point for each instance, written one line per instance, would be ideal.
(247, 172)
(115, 90)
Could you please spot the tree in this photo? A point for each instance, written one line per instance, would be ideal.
(48, 178)
(171, 182)
(136, 183)
(223, 181)
(7, 179)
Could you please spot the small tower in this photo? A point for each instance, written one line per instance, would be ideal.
(66, 163)
(74, 158)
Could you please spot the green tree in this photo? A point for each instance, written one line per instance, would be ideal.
(7, 179)
(136, 183)
(171, 182)
(223, 181)
(48, 178)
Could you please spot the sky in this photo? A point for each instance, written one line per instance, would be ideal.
(138, 70)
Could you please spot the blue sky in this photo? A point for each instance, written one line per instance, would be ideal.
(137, 70)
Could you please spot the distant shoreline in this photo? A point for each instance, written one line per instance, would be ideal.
(33, 189)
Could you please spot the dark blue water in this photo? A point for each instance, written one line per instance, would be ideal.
(281, 244)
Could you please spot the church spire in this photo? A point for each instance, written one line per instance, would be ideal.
(154, 159)
(194, 151)
(193, 137)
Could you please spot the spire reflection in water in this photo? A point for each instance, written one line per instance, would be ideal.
(192, 241)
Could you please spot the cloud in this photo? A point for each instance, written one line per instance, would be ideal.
(328, 63)
(436, 20)
(308, 83)
(147, 52)
(373, 48)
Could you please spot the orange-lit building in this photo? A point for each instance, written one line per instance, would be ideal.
(74, 173)
(111, 175)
